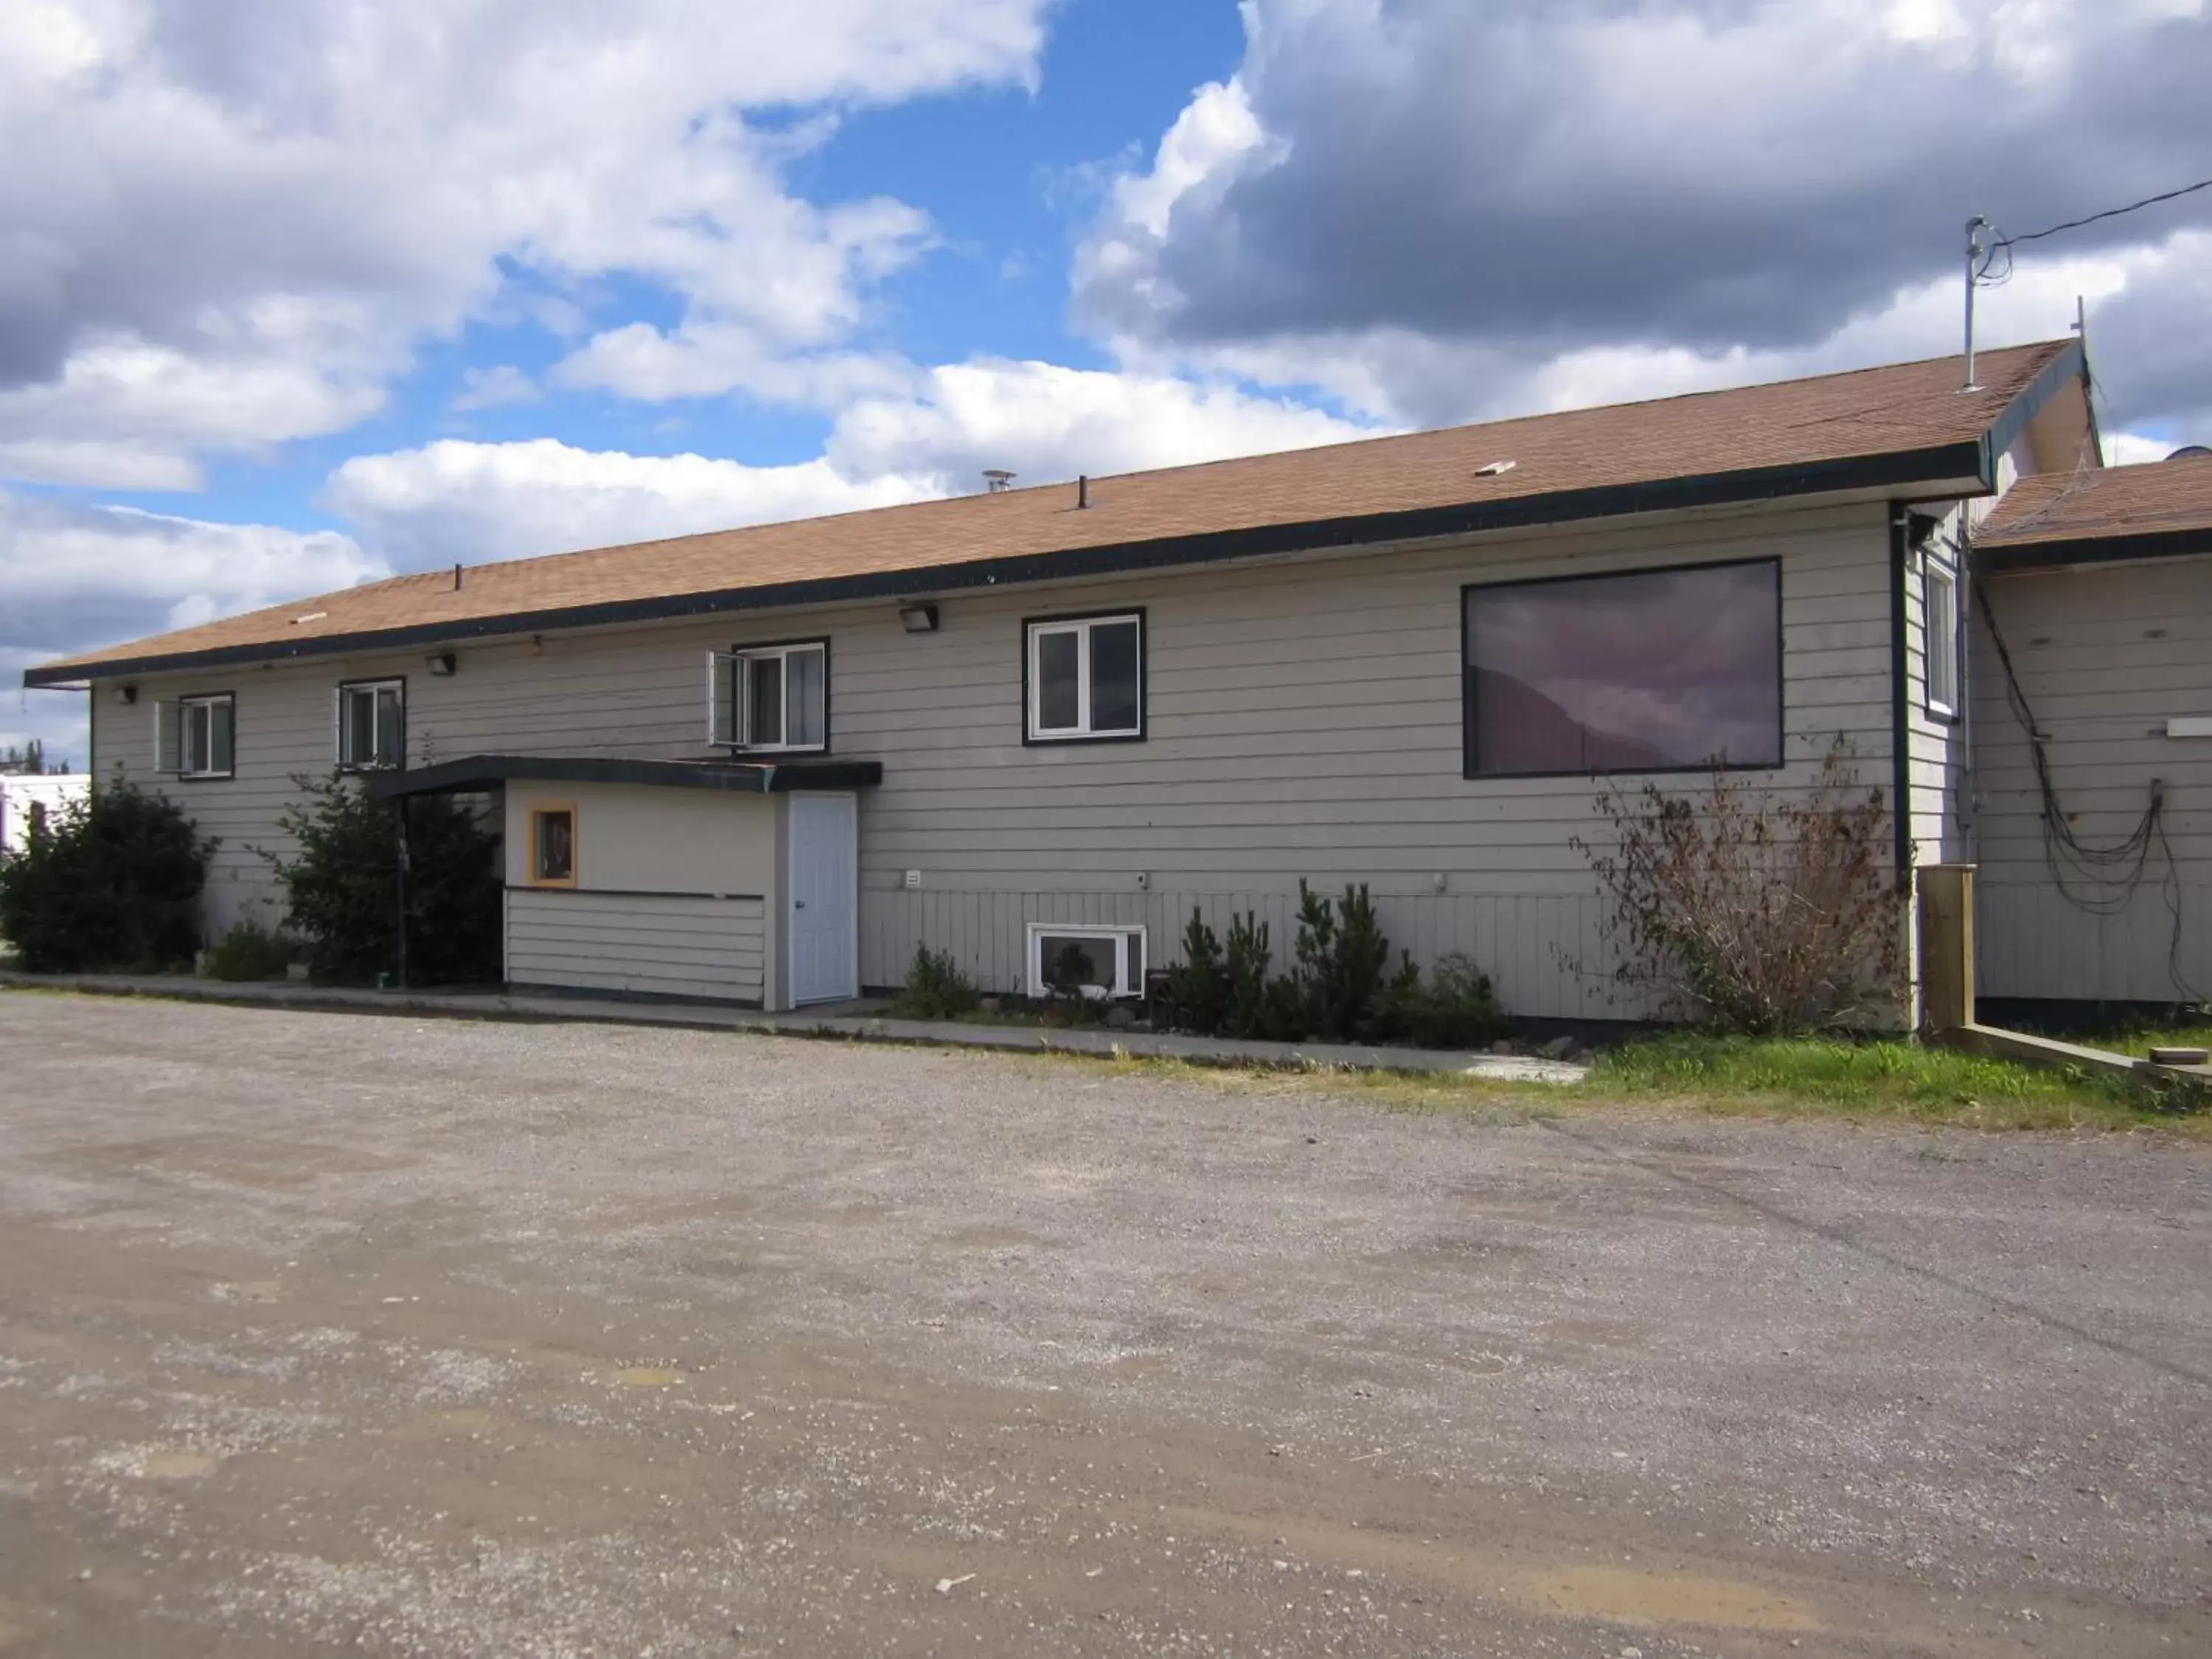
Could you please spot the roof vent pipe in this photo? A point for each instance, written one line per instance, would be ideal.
(1083, 489)
(457, 579)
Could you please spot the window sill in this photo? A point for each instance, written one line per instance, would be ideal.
(1056, 739)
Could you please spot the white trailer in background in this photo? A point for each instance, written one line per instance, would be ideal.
(26, 797)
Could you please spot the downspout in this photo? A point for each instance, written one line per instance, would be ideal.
(1901, 721)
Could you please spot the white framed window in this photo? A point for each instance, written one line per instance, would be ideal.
(1084, 677)
(770, 699)
(371, 720)
(197, 737)
(1100, 962)
(1940, 624)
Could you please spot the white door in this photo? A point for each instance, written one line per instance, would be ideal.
(824, 920)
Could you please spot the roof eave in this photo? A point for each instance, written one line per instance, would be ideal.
(2000, 557)
(1966, 467)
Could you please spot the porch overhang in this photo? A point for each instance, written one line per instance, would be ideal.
(474, 774)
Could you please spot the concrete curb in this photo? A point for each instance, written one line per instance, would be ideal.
(858, 1028)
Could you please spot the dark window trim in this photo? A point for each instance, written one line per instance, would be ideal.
(829, 696)
(229, 775)
(1111, 613)
(399, 680)
(1781, 679)
(1929, 559)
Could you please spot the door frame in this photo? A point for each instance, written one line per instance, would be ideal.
(791, 897)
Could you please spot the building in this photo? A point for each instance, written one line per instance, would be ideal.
(28, 798)
(765, 765)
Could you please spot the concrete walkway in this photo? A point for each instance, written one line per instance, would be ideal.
(851, 1022)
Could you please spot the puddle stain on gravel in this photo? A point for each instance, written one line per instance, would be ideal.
(1624, 1596)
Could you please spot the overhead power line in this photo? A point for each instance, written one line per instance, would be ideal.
(2109, 213)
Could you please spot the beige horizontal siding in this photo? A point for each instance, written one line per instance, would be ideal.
(2105, 656)
(679, 947)
(1304, 719)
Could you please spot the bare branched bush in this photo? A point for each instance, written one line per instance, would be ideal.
(1754, 910)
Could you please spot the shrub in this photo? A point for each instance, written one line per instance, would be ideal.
(935, 989)
(114, 883)
(1251, 1011)
(1195, 997)
(249, 951)
(342, 891)
(1454, 1009)
(1752, 911)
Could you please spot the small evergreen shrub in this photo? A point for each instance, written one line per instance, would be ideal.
(342, 887)
(111, 883)
(249, 951)
(1338, 991)
(1196, 995)
(935, 989)
(1251, 1010)
(1455, 1008)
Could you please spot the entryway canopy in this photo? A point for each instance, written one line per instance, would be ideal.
(477, 773)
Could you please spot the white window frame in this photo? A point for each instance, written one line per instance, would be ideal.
(729, 687)
(1949, 642)
(1129, 955)
(174, 724)
(338, 728)
(1035, 632)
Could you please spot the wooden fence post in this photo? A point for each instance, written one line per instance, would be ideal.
(1946, 947)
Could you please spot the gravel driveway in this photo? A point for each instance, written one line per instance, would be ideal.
(329, 1332)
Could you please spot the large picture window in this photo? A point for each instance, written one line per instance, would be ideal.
(1651, 671)
(372, 723)
(1086, 677)
(770, 698)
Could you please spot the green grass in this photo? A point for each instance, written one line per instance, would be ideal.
(1782, 1077)
(2141, 1039)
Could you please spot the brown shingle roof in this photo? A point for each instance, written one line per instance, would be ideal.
(1791, 437)
(2159, 498)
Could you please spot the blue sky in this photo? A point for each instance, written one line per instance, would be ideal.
(299, 293)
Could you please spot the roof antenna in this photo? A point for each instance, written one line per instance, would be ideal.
(1083, 489)
(1975, 226)
(997, 479)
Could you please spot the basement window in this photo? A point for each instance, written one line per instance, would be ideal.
(1085, 679)
(1099, 962)
(1939, 617)
(371, 721)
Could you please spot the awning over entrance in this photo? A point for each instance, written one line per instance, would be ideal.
(476, 773)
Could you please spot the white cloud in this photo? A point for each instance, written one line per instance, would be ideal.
(1437, 211)
(263, 206)
(454, 500)
(1043, 421)
(495, 387)
(77, 577)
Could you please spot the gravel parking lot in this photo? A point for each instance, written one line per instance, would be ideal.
(329, 1332)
